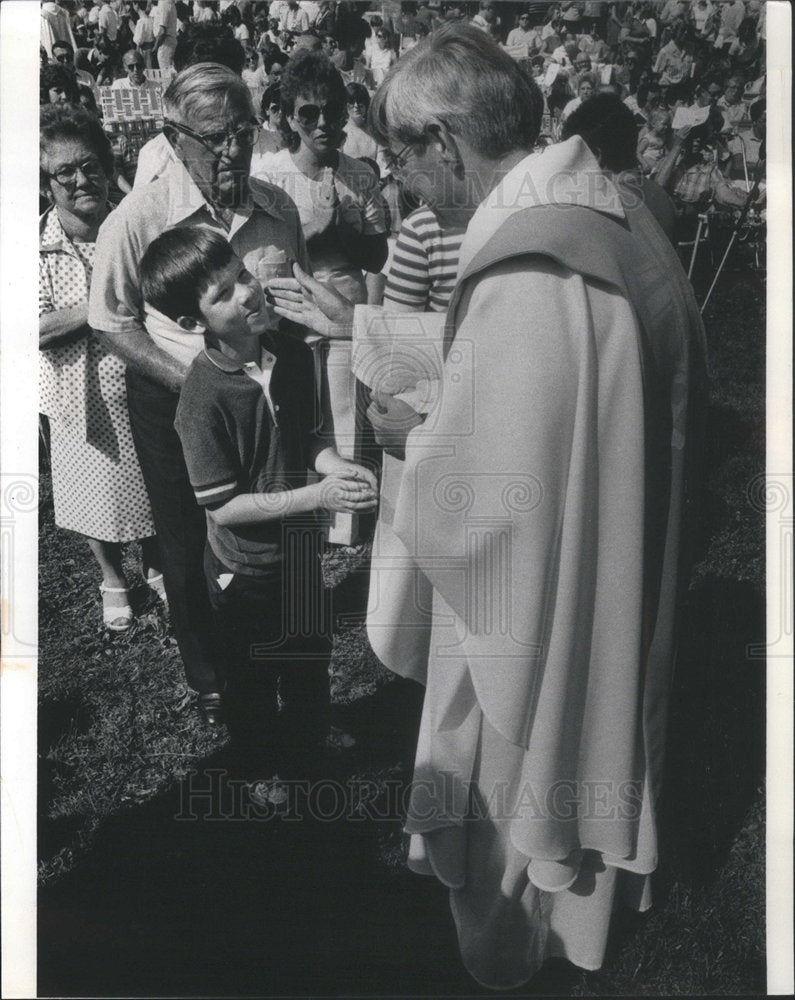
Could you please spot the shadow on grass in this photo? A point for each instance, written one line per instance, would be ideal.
(231, 906)
(715, 762)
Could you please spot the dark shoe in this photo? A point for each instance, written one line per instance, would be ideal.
(211, 708)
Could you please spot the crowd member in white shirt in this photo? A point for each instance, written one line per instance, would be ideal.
(144, 32)
(700, 11)
(234, 19)
(165, 23)
(108, 20)
(294, 19)
(135, 78)
(524, 35)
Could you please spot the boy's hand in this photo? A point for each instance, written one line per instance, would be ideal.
(352, 470)
(345, 495)
(304, 300)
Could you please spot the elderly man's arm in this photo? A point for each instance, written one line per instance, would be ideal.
(139, 352)
(115, 304)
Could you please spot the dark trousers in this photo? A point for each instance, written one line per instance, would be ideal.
(277, 637)
(181, 528)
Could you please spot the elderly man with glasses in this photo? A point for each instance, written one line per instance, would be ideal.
(543, 499)
(212, 130)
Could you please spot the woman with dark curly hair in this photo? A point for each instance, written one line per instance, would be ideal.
(343, 215)
(58, 85)
(98, 489)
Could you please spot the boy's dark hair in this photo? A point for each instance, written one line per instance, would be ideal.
(178, 268)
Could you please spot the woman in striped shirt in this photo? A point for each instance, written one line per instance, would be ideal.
(422, 271)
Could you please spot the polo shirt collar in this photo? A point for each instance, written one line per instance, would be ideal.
(185, 199)
(226, 364)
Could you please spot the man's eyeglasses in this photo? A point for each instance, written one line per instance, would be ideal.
(92, 170)
(129, 66)
(309, 114)
(220, 142)
(63, 57)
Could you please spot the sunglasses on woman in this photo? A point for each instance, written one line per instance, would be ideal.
(309, 114)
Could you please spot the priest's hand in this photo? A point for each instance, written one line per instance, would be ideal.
(392, 419)
(309, 302)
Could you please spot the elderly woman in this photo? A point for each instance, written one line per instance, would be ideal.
(98, 489)
(338, 198)
(525, 503)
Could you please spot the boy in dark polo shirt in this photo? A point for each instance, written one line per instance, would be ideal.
(247, 419)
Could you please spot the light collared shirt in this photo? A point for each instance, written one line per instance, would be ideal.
(173, 201)
(109, 22)
(261, 374)
(165, 16)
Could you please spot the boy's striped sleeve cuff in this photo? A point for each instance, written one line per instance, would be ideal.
(215, 492)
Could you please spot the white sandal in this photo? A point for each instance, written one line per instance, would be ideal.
(116, 617)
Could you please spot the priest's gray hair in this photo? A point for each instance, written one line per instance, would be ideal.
(459, 76)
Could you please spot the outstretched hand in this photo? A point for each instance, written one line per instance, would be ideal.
(309, 302)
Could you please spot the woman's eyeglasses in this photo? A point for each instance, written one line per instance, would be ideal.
(220, 142)
(92, 170)
(309, 114)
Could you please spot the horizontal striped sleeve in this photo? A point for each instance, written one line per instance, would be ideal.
(425, 263)
(408, 281)
(216, 493)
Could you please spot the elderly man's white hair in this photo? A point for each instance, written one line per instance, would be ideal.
(203, 88)
(459, 76)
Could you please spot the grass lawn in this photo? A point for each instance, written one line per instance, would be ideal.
(137, 899)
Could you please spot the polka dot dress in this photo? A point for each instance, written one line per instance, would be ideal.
(98, 488)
